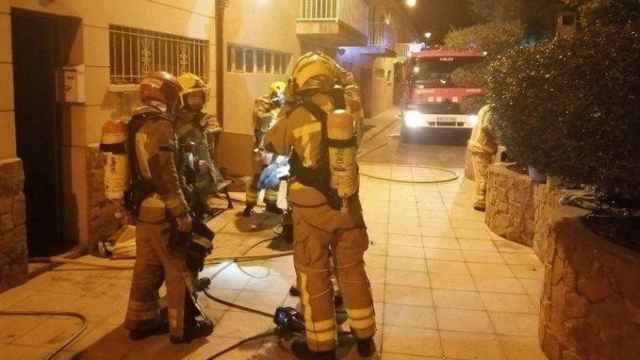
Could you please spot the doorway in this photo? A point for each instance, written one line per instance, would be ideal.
(41, 44)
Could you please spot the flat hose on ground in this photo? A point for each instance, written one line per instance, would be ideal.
(69, 341)
(453, 177)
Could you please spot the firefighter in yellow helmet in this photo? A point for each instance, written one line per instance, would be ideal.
(483, 145)
(265, 112)
(196, 130)
(319, 126)
(161, 211)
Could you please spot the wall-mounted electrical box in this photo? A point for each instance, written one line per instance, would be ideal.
(73, 82)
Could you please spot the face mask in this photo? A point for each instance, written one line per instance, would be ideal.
(195, 101)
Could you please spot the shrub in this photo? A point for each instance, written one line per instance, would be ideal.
(571, 107)
(606, 12)
(495, 38)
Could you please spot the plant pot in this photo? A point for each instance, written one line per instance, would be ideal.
(536, 176)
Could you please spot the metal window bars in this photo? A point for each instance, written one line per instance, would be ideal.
(318, 10)
(133, 53)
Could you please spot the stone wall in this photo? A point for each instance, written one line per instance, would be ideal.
(517, 208)
(13, 232)
(591, 298)
(102, 221)
(510, 204)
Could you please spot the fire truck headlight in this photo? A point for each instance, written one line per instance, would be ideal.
(472, 120)
(412, 118)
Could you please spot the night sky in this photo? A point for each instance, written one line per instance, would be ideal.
(439, 16)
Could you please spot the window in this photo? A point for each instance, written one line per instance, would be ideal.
(267, 62)
(253, 60)
(133, 53)
(568, 20)
(248, 61)
(260, 61)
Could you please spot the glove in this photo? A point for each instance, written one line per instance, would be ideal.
(184, 223)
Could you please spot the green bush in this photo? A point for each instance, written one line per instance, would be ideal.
(571, 107)
(495, 38)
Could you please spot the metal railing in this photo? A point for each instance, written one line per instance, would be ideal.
(133, 53)
(319, 10)
(352, 12)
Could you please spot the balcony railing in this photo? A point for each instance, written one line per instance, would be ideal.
(351, 12)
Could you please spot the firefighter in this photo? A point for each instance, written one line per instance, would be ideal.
(161, 211)
(194, 128)
(328, 226)
(483, 145)
(265, 112)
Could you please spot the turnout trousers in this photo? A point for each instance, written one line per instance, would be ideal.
(481, 162)
(320, 232)
(154, 265)
(270, 195)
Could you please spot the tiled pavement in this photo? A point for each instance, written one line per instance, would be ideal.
(443, 285)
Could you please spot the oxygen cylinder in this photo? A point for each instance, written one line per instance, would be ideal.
(116, 165)
(342, 154)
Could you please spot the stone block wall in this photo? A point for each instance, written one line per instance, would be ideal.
(102, 220)
(13, 232)
(590, 308)
(518, 209)
(510, 204)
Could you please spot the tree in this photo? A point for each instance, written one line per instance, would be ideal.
(537, 16)
(606, 12)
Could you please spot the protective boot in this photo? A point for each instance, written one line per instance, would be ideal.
(248, 211)
(193, 328)
(300, 349)
(159, 328)
(274, 209)
(366, 347)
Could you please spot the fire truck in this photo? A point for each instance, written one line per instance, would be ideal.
(432, 101)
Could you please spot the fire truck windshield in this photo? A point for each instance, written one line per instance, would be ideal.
(436, 73)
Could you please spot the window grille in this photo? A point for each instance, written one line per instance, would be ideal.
(319, 9)
(253, 60)
(134, 53)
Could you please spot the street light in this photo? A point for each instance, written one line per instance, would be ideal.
(427, 35)
(411, 3)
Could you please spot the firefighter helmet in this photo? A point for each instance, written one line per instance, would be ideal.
(161, 86)
(192, 83)
(314, 71)
(278, 87)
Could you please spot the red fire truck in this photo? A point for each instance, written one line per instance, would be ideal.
(432, 101)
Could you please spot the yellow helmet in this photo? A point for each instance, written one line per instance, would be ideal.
(278, 87)
(311, 68)
(192, 83)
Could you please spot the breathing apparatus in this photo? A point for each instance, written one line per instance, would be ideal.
(316, 73)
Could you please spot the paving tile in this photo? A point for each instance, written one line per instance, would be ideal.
(510, 246)
(405, 240)
(411, 341)
(404, 295)
(409, 316)
(476, 346)
(521, 259)
(444, 254)
(465, 233)
(515, 324)
(498, 270)
(508, 303)
(239, 324)
(406, 251)
(521, 348)
(463, 320)
(482, 245)
(406, 264)
(376, 275)
(51, 332)
(492, 283)
(469, 300)
(479, 256)
(440, 243)
(395, 356)
(21, 352)
(449, 267)
(378, 291)
(407, 278)
(404, 229)
(535, 272)
(375, 261)
(452, 282)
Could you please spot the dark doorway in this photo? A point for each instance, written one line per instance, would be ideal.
(41, 46)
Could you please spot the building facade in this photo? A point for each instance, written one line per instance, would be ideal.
(66, 67)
